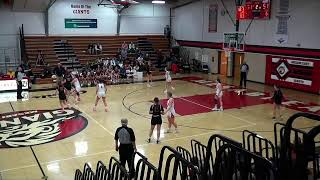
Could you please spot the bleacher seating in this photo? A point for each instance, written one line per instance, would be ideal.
(293, 155)
(79, 44)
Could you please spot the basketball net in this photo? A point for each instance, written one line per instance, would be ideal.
(227, 52)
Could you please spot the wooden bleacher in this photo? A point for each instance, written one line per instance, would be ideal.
(110, 45)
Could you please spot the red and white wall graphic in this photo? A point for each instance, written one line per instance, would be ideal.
(296, 73)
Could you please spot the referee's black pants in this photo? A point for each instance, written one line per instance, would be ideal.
(243, 78)
(19, 90)
(126, 155)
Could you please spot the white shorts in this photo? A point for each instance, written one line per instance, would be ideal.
(169, 80)
(78, 88)
(101, 94)
(218, 96)
(171, 114)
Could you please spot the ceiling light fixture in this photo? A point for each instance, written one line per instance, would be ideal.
(158, 2)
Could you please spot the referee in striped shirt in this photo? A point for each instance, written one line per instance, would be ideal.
(126, 137)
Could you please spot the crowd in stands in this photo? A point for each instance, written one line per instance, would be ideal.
(121, 68)
(111, 70)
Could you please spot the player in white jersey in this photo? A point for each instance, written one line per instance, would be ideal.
(171, 112)
(168, 81)
(218, 96)
(77, 88)
(101, 94)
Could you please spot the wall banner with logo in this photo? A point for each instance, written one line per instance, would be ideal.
(296, 73)
(213, 18)
(80, 23)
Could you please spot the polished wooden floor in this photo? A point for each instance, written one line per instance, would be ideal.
(60, 159)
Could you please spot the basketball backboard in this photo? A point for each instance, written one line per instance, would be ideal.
(234, 41)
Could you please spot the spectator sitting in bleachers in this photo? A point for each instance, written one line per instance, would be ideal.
(11, 73)
(132, 48)
(90, 49)
(99, 48)
(137, 68)
(124, 50)
(140, 60)
(123, 73)
(95, 49)
(40, 59)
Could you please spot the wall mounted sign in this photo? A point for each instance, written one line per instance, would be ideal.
(213, 18)
(11, 84)
(80, 23)
(296, 73)
(80, 8)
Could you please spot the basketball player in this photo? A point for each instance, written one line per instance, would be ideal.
(156, 110)
(218, 96)
(61, 91)
(277, 101)
(168, 81)
(101, 93)
(68, 83)
(170, 111)
(77, 88)
(149, 74)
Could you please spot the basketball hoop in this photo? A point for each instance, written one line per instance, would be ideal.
(227, 52)
(233, 41)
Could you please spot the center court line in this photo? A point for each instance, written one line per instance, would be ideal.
(249, 122)
(110, 151)
(99, 124)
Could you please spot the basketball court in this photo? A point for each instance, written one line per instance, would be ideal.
(60, 158)
(210, 40)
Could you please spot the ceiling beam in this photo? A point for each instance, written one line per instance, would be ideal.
(50, 4)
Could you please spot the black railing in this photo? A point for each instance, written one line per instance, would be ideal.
(23, 52)
(199, 153)
(174, 166)
(214, 144)
(235, 163)
(116, 171)
(102, 172)
(225, 159)
(88, 174)
(144, 169)
(258, 145)
(297, 148)
(78, 175)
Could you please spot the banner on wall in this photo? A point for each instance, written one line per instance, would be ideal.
(213, 18)
(80, 23)
(296, 73)
(80, 8)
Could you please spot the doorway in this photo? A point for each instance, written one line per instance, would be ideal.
(238, 60)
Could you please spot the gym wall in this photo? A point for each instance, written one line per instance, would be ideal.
(137, 19)
(145, 18)
(257, 66)
(197, 53)
(9, 34)
(11, 21)
(191, 23)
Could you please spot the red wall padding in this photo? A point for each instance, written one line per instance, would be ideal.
(298, 72)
